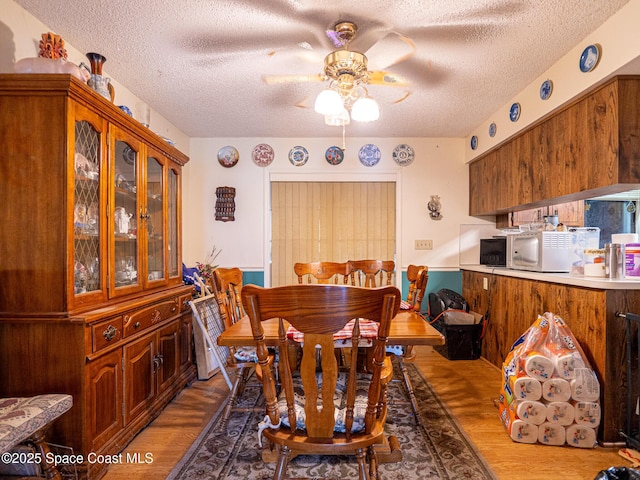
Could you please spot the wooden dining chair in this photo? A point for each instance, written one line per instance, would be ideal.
(418, 277)
(322, 410)
(372, 273)
(323, 272)
(227, 289)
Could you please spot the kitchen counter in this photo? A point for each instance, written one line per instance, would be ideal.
(561, 278)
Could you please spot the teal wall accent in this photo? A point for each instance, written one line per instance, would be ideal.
(255, 278)
(437, 280)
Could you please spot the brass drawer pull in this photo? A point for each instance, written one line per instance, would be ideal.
(136, 325)
(110, 333)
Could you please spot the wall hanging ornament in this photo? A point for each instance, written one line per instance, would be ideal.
(434, 207)
(225, 204)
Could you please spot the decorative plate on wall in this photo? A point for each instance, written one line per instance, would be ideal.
(228, 156)
(589, 58)
(545, 89)
(334, 155)
(474, 142)
(514, 112)
(369, 155)
(262, 155)
(298, 156)
(403, 155)
(492, 129)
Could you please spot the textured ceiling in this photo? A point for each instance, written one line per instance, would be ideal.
(200, 63)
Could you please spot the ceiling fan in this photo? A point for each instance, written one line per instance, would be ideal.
(348, 74)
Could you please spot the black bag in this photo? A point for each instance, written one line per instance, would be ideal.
(445, 299)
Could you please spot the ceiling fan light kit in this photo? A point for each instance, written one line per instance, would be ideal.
(329, 103)
(365, 109)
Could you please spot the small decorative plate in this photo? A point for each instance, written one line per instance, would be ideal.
(492, 129)
(334, 155)
(589, 58)
(228, 156)
(403, 155)
(474, 142)
(262, 155)
(545, 89)
(514, 113)
(298, 156)
(369, 155)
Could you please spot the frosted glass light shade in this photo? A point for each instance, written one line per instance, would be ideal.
(365, 109)
(328, 102)
(338, 120)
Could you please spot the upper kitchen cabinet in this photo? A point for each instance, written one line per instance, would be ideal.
(91, 199)
(587, 148)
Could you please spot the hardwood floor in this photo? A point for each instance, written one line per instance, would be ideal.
(469, 388)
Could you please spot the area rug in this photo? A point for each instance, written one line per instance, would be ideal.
(437, 450)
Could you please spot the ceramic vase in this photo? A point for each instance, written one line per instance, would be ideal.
(99, 83)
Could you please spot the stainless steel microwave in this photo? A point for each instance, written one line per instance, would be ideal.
(543, 251)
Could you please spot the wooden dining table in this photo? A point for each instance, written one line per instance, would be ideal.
(407, 328)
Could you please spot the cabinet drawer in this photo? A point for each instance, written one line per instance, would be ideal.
(184, 302)
(152, 315)
(106, 333)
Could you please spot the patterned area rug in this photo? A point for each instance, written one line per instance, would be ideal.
(439, 450)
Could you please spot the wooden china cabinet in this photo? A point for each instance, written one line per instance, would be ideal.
(92, 301)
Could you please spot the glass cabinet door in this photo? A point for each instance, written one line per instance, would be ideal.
(154, 216)
(88, 204)
(125, 213)
(173, 224)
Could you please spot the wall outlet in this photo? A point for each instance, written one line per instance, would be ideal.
(485, 283)
(424, 244)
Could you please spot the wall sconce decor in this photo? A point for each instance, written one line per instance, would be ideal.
(225, 204)
(434, 207)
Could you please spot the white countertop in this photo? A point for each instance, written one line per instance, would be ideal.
(563, 278)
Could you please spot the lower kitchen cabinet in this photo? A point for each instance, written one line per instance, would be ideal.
(512, 304)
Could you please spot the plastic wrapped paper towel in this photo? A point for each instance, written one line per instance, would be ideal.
(562, 413)
(581, 437)
(551, 434)
(566, 363)
(587, 414)
(585, 386)
(531, 411)
(538, 366)
(556, 390)
(526, 388)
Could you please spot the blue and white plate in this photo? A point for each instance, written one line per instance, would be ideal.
(474, 142)
(545, 89)
(492, 129)
(298, 156)
(403, 154)
(514, 112)
(334, 155)
(369, 155)
(589, 58)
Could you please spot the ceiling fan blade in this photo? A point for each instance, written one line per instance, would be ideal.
(406, 95)
(390, 50)
(282, 79)
(387, 78)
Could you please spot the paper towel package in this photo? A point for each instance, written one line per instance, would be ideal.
(566, 363)
(538, 366)
(524, 432)
(581, 437)
(531, 411)
(585, 386)
(556, 390)
(526, 388)
(551, 434)
(562, 413)
(587, 414)
(549, 394)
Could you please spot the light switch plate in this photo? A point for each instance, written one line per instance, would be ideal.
(424, 244)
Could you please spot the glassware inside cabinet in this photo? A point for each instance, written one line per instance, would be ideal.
(86, 212)
(155, 219)
(125, 216)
